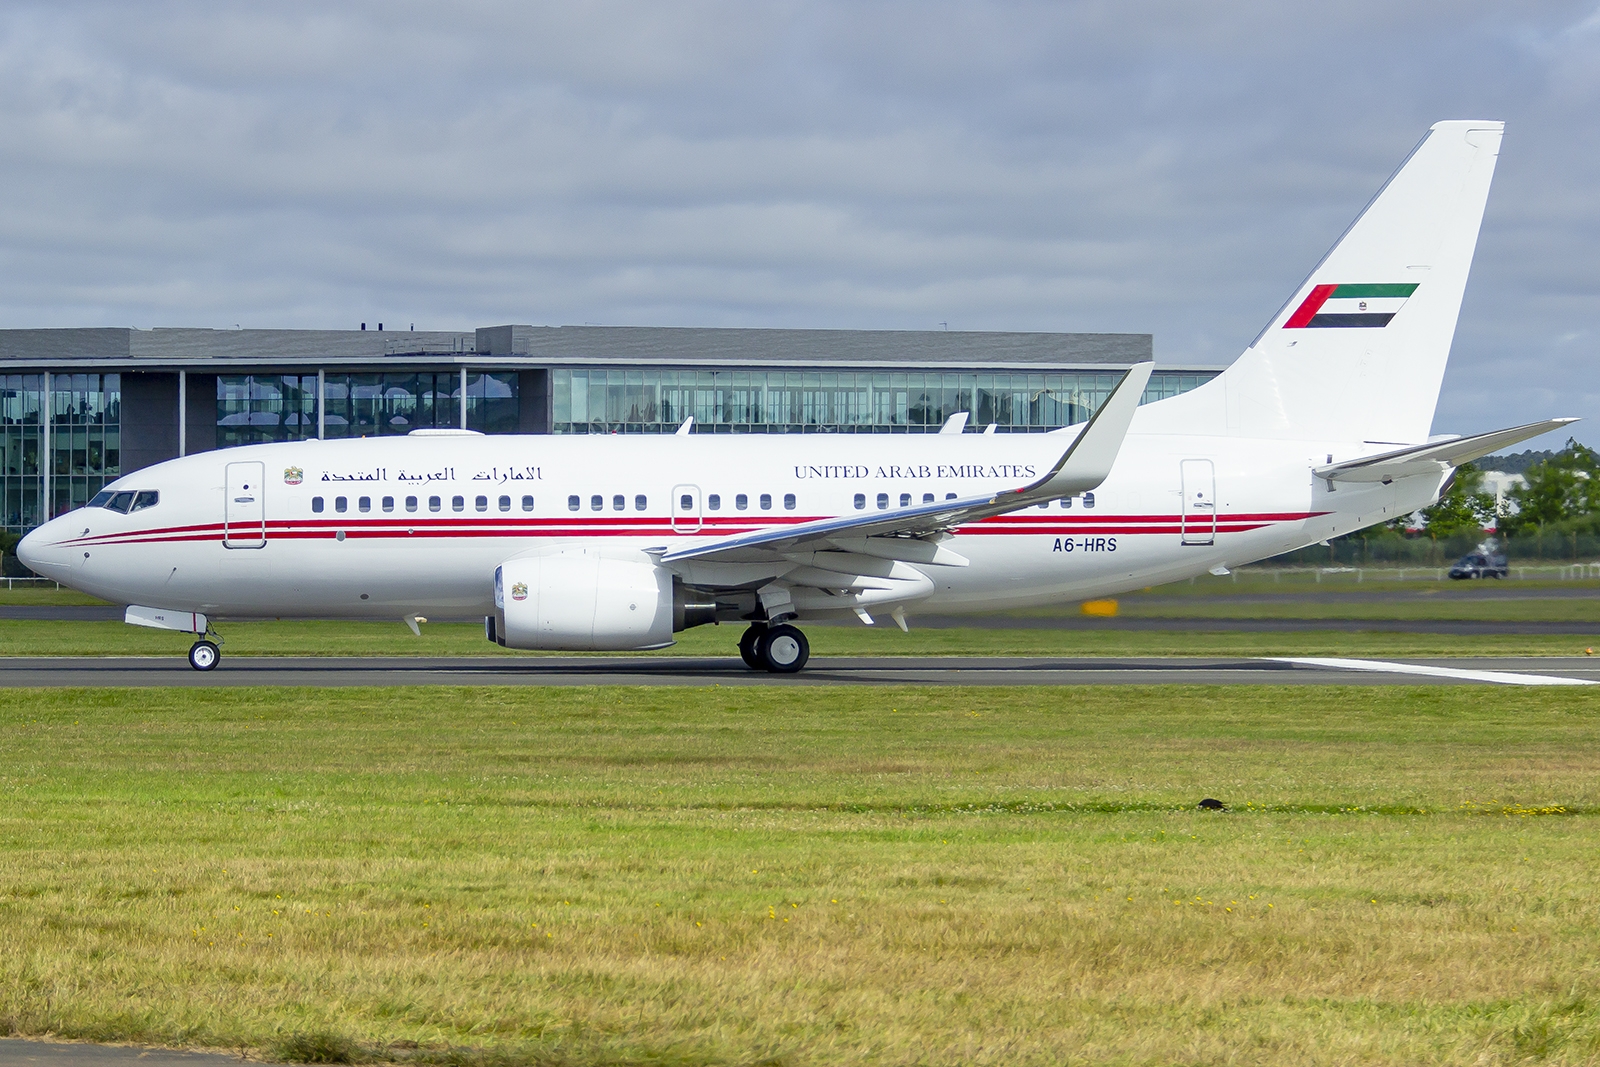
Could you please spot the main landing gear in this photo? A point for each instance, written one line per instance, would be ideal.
(781, 649)
(204, 654)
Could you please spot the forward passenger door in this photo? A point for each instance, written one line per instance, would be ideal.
(244, 511)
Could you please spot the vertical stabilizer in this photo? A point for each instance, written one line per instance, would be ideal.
(1359, 351)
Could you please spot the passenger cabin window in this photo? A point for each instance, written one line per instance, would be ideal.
(714, 502)
(883, 501)
(411, 503)
(573, 503)
(619, 503)
(686, 502)
(505, 503)
(1088, 500)
(364, 504)
(927, 498)
(861, 501)
(905, 500)
(741, 502)
(949, 496)
(458, 503)
(316, 505)
(434, 503)
(788, 502)
(388, 503)
(640, 502)
(341, 504)
(527, 503)
(597, 503)
(1066, 502)
(766, 501)
(482, 503)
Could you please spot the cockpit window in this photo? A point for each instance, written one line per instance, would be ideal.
(125, 502)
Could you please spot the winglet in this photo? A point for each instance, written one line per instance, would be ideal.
(1087, 461)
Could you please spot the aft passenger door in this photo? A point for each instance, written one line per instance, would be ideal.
(686, 509)
(244, 512)
(1199, 522)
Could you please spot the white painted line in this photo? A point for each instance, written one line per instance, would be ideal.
(1499, 677)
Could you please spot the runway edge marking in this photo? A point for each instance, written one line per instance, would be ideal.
(1382, 666)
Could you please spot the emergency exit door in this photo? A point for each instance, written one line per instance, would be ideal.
(244, 511)
(1199, 522)
(686, 509)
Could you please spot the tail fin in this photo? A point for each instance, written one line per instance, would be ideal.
(1358, 352)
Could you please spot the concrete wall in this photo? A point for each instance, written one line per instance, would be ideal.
(202, 413)
(533, 401)
(149, 419)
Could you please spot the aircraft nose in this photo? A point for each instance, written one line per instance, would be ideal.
(38, 551)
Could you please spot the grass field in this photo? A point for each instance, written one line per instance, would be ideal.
(96, 638)
(887, 876)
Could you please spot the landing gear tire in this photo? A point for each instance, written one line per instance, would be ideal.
(203, 655)
(749, 651)
(783, 649)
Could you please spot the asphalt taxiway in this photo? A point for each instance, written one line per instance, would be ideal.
(15, 1052)
(824, 670)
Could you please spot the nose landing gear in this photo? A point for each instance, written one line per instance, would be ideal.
(204, 654)
(781, 649)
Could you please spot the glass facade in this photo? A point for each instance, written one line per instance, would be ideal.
(84, 417)
(84, 447)
(261, 408)
(648, 400)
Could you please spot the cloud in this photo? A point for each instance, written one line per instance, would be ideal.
(1160, 167)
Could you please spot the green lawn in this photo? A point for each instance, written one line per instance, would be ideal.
(886, 875)
(94, 638)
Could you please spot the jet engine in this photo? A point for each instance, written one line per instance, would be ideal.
(583, 599)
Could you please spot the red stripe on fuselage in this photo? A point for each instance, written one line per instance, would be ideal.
(644, 526)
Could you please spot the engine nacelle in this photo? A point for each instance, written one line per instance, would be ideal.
(579, 599)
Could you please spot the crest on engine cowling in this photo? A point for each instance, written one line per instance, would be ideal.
(519, 591)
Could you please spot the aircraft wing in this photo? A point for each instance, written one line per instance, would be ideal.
(1083, 466)
(1433, 458)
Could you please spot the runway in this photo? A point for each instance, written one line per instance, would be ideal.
(21, 672)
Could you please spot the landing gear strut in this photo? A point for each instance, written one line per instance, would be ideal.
(204, 654)
(781, 649)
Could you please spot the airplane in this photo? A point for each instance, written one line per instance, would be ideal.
(1320, 428)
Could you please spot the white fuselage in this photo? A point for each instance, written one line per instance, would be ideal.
(417, 525)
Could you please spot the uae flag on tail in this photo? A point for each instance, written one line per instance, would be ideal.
(1350, 305)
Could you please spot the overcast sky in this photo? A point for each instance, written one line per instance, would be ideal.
(1169, 168)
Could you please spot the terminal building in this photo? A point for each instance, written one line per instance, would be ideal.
(81, 407)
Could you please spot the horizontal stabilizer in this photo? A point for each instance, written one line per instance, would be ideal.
(1433, 458)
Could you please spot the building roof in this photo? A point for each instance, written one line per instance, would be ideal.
(549, 346)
